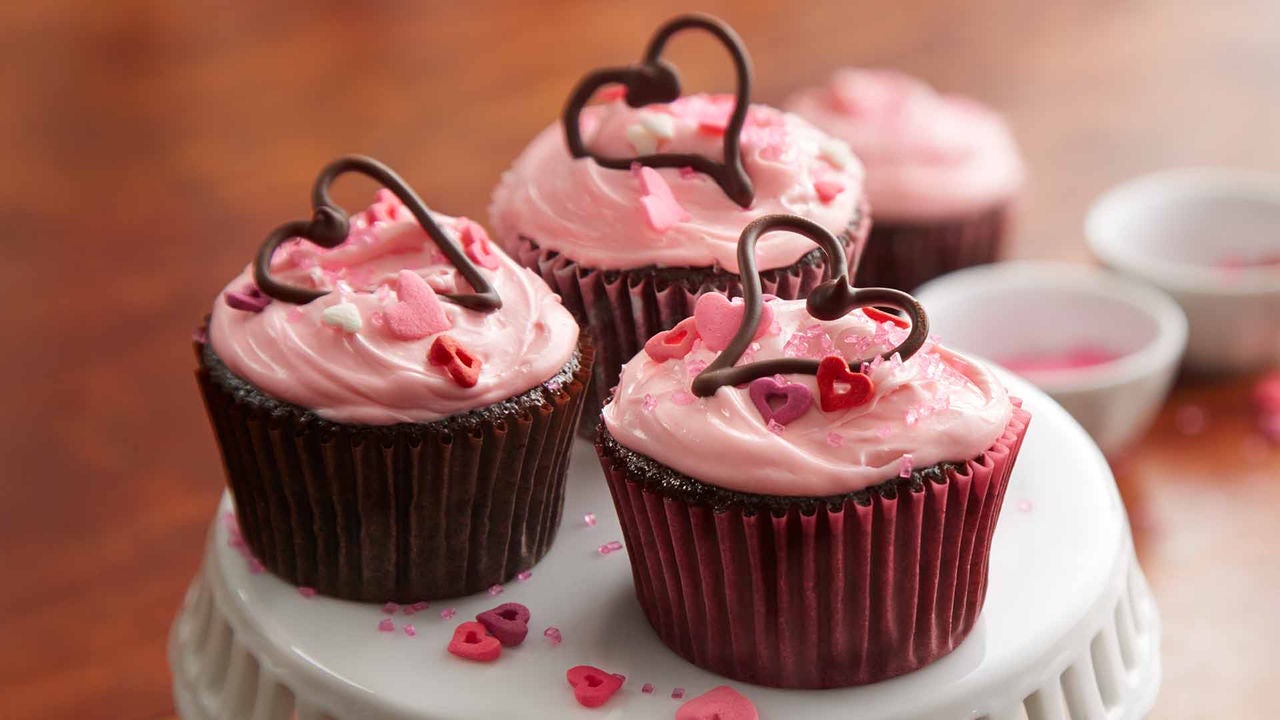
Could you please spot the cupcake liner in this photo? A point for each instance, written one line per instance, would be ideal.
(622, 309)
(905, 256)
(829, 592)
(404, 512)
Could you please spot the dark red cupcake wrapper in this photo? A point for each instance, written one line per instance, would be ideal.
(846, 595)
(622, 309)
(406, 512)
(905, 256)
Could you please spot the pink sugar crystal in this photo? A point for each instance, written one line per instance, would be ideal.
(677, 693)
(647, 688)
(775, 427)
(811, 342)
(682, 398)
(385, 625)
(552, 634)
(589, 519)
(650, 402)
(448, 613)
(416, 607)
(255, 566)
(410, 630)
(1191, 420)
(1024, 505)
(609, 547)
(524, 575)
(495, 590)
(904, 466)
(884, 431)
(390, 608)
(695, 367)
(307, 592)
(835, 439)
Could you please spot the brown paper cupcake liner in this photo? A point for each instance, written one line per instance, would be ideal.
(905, 256)
(622, 309)
(827, 592)
(403, 512)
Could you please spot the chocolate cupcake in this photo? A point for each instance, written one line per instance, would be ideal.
(394, 399)
(808, 489)
(631, 209)
(943, 172)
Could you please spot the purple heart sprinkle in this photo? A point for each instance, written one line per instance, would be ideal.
(509, 622)
(248, 298)
(778, 402)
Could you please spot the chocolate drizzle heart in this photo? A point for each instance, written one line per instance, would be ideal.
(329, 226)
(653, 80)
(831, 299)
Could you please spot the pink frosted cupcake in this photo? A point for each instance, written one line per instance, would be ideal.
(631, 209)
(943, 172)
(394, 399)
(808, 503)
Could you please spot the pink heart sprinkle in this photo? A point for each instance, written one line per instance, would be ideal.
(385, 625)
(722, 703)
(718, 318)
(660, 207)
(828, 189)
(419, 312)
(475, 241)
(410, 630)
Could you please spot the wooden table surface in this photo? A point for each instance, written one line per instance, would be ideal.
(149, 146)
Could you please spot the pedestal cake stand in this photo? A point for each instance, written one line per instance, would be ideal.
(1069, 631)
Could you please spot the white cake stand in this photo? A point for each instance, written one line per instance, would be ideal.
(1069, 631)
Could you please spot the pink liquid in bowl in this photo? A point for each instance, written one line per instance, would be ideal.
(1076, 357)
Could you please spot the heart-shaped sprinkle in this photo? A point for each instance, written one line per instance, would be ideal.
(661, 210)
(881, 316)
(472, 642)
(661, 125)
(509, 622)
(592, 687)
(674, 343)
(718, 319)
(345, 316)
(839, 387)
(827, 190)
(778, 402)
(419, 312)
(461, 365)
(248, 298)
(722, 703)
(476, 243)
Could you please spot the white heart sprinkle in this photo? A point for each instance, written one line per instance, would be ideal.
(836, 152)
(659, 125)
(343, 315)
(642, 140)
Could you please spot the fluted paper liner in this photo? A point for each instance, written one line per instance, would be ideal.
(622, 309)
(406, 512)
(848, 595)
(905, 256)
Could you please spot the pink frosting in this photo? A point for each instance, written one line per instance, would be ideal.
(369, 376)
(598, 217)
(937, 406)
(928, 156)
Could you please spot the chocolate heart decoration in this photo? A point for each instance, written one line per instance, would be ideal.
(653, 80)
(831, 299)
(329, 226)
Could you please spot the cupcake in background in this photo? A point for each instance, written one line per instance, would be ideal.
(394, 399)
(943, 172)
(631, 208)
(838, 531)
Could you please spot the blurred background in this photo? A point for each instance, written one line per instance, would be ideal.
(150, 145)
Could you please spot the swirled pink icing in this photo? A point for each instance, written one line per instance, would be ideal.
(937, 406)
(928, 156)
(370, 376)
(597, 216)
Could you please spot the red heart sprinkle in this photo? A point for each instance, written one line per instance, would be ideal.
(461, 365)
(475, 241)
(674, 343)
(471, 642)
(592, 687)
(834, 372)
(722, 703)
(882, 316)
(509, 622)
(419, 312)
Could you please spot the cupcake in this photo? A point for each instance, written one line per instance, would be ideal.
(394, 399)
(942, 172)
(808, 489)
(631, 208)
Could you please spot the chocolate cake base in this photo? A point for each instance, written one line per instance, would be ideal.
(906, 255)
(404, 512)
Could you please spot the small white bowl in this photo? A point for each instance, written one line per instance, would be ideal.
(1039, 309)
(1177, 230)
